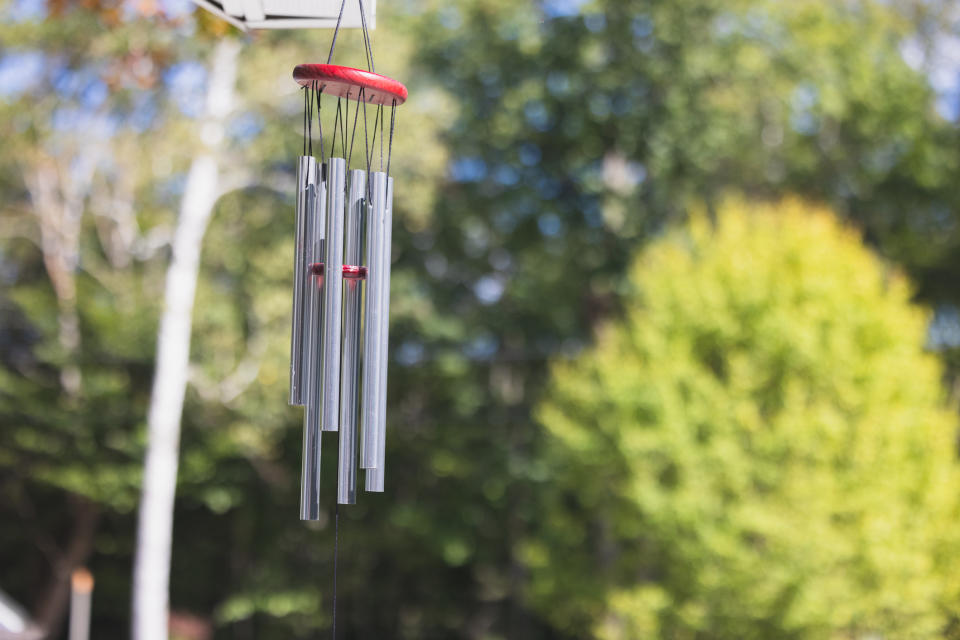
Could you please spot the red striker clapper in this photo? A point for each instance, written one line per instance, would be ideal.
(350, 272)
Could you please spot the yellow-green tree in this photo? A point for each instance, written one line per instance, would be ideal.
(760, 448)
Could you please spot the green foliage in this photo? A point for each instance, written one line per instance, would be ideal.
(576, 137)
(759, 448)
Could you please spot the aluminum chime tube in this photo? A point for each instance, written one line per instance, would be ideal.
(349, 376)
(313, 344)
(333, 293)
(314, 232)
(376, 475)
(372, 358)
(306, 196)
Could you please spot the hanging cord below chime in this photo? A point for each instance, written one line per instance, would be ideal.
(341, 127)
(336, 544)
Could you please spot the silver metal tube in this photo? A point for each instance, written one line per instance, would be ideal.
(332, 293)
(312, 344)
(310, 475)
(375, 476)
(316, 228)
(310, 472)
(349, 369)
(372, 359)
(306, 193)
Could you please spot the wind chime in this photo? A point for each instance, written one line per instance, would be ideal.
(341, 288)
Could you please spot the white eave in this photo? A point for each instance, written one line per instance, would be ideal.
(291, 14)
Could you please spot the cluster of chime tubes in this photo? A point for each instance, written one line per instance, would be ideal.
(338, 348)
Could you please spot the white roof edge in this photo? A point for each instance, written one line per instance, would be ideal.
(268, 22)
(304, 23)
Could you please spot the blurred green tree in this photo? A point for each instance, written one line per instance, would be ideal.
(83, 234)
(759, 448)
(580, 130)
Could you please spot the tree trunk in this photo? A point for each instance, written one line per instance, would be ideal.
(53, 607)
(58, 190)
(59, 185)
(151, 571)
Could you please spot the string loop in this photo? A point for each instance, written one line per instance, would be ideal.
(367, 46)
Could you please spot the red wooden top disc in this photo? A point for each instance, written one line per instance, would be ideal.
(346, 82)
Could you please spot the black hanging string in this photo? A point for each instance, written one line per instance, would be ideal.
(368, 48)
(373, 140)
(343, 129)
(353, 134)
(333, 43)
(366, 142)
(393, 120)
(336, 129)
(346, 122)
(336, 545)
(305, 115)
(366, 155)
(319, 93)
(310, 122)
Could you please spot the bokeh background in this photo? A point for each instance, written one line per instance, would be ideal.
(675, 331)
